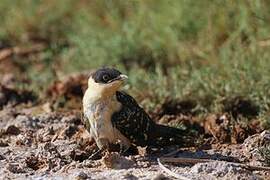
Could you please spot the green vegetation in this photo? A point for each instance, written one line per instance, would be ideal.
(207, 51)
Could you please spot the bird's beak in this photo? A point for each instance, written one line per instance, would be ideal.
(123, 77)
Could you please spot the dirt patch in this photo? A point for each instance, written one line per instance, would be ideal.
(55, 145)
(176, 107)
(239, 106)
(10, 96)
(224, 128)
(223, 170)
(68, 92)
(233, 126)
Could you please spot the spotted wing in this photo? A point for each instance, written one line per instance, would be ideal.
(132, 121)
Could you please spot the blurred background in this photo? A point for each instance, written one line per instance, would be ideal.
(181, 56)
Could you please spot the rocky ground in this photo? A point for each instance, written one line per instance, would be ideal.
(38, 144)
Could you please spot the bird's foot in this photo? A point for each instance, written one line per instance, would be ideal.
(122, 148)
(95, 155)
(126, 151)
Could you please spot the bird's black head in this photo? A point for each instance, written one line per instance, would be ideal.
(106, 75)
(105, 82)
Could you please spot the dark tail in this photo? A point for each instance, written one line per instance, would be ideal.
(165, 136)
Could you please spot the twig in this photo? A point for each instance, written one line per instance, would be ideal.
(195, 161)
(171, 173)
(7, 52)
(185, 160)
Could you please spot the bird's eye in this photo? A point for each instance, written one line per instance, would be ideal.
(105, 78)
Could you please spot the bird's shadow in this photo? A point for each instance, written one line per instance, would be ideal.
(198, 154)
(151, 154)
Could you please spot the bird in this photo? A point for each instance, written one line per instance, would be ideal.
(111, 116)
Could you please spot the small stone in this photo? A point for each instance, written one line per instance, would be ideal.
(160, 177)
(13, 130)
(81, 176)
(3, 143)
(130, 176)
(15, 168)
(252, 146)
(115, 161)
(2, 157)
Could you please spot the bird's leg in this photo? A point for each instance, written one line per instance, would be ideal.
(128, 150)
(103, 145)
(123, 148)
